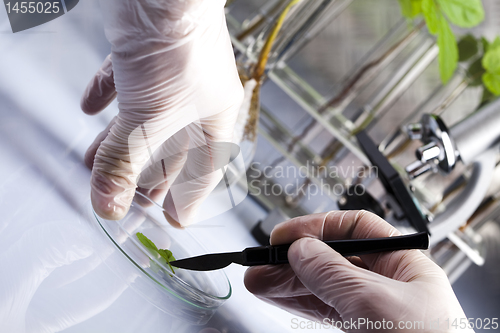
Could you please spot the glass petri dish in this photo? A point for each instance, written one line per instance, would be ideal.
(191, 296)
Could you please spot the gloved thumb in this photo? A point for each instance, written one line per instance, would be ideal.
(332, 278)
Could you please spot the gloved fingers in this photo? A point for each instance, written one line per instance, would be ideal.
(337, 282)
(220, 126)
(173, 67)
(193, 185)
(92, 150)
(279, 281)
(122, 155)
(132, 142)
(163, 168)
(112, 182)
(274, 281)
(150, 194)
(208, 155)
(280, 286)
(357, 261)
(405, 266)
(100, 91)
(353, 225)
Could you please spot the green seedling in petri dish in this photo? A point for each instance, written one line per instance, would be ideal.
(168, 256)
(162, 254)
(482, 61)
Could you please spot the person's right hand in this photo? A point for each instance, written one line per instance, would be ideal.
(401, 287)
(173, 71)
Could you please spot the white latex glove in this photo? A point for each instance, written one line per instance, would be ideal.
(29, 261)
(173, 71)
(319, 283)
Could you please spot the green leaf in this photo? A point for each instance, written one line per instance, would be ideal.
(475, 73)
(464, 13)
(490, 46)
(410, 8)
(431, 15)
(491, 64)
(492, 82)
(486, 44)
(448, 50)
(495, 44)
(467, 47)
(147, 242)
(491, 60)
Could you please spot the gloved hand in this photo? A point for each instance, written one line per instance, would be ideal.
(173, 71)
(400, 286)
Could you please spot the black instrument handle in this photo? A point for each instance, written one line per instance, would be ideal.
(278, 254)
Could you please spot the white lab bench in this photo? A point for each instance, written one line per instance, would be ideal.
(52, 280)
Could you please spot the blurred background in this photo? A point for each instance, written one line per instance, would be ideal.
(337, 69)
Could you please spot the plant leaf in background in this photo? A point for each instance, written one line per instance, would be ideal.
(495, 44)
(487, 97)
(475, 73)
(491, 59)
(491, 63)
(467, 48)
(463, 13)
(484, 65)
(484, 68)
(410, 8)
(431, 15)
(492, 82)
(485, 44)
(448, 50)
